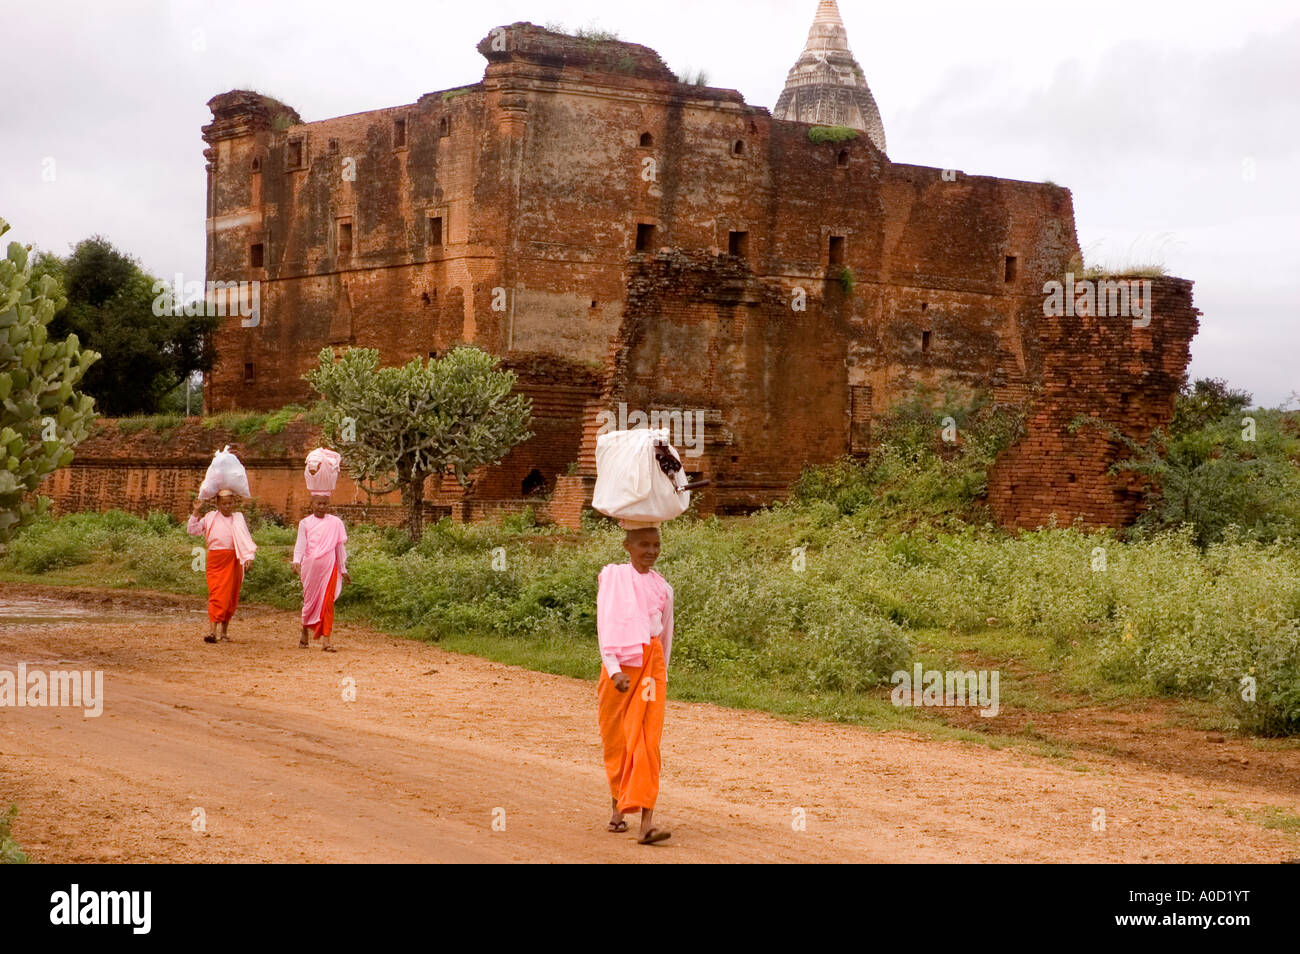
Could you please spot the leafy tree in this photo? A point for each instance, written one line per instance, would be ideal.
(1218, 475)
(397, 426)
(41, 417)
(110, 306)
(1204, 402)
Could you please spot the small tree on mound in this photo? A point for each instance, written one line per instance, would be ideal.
(395, 427)
(42, 417)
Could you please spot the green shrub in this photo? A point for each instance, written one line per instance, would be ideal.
(10, 853)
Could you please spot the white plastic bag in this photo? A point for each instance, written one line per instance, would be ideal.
(630, 484)
(224, 473)
(322, 471)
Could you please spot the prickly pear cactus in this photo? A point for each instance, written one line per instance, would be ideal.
(42, 417)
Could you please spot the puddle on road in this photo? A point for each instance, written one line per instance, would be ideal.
(25, 612)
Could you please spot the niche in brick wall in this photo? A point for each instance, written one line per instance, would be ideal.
(645, 236)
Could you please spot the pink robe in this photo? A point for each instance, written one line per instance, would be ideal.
(321, 553)
(631, 609)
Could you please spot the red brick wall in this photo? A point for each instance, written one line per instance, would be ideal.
(1103, 368)
(541, 182)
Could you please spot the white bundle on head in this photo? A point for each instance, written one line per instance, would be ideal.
(224, 473)
(322, 472)
(631, 486)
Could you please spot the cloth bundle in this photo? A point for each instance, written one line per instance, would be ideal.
(322, 472)
(631, 487)
(224, 473)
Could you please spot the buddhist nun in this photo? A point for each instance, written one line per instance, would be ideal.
(320, 556)
(230, 552)
(634, 626)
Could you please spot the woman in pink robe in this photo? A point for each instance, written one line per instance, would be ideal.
(320, 559)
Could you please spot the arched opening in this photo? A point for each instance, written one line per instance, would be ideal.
(844, 157)
(534, 485)
(647, 140)
(738, 148)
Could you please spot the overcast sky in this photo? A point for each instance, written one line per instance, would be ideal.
(1176, 123)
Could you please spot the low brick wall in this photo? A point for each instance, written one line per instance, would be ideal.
(145, 470)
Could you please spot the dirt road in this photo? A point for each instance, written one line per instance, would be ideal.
(450, 758)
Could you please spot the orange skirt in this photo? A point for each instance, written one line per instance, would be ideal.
(631, 728)
(325, 624)
(225, 576)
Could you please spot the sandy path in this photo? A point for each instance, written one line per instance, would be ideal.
(256, 733)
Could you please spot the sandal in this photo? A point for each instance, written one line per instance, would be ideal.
(210, 638)
(328, 649)
(302, 643)
(618, 827)
(654, 836)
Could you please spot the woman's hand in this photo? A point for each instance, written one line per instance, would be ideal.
(346, 578)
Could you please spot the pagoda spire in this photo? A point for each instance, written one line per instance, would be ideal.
(826, 86)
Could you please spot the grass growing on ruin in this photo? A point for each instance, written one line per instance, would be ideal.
(832, 134)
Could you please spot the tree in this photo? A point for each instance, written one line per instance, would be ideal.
(41, 417)
(397, 426)
(110, 306)
(1206, 401)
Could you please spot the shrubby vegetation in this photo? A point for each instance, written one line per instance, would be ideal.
(826, 595)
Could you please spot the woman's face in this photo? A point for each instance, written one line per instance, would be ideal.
(320, 506)
(643, 547)
(226, 505)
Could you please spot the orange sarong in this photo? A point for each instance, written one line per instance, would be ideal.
(224, 578)
(326, 622)
(631, 727)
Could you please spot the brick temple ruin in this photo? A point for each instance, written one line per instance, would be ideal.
(618, 236)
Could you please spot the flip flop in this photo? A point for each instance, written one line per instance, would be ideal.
(328, 649)
(303, 644)
(654, 836)
(210, 638)
(618, 827)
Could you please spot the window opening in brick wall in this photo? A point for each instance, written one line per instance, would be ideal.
(257, 164)
(843, 159)
(399, 133)
(248, 373)
(295, 154)
(925, 342)
(738, 244)
(435, 230)
(647, 140)
(837, 250)
(345, 238)
(334, 146)
(255, 255)
(1009, 275)
(645, 236)
(738, 147)
(444, 126)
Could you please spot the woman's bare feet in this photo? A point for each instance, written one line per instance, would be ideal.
(302, 643)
